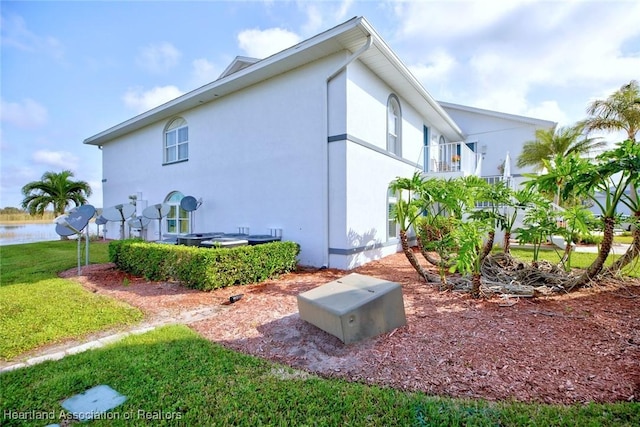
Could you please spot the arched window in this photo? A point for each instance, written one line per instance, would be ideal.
(392, 225)
(177, 219)
(394, 125)
(176, 141)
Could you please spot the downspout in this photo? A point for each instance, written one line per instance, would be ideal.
(333, 75)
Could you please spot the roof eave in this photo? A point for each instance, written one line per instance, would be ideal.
(242, 78)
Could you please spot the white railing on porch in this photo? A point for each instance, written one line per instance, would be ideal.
(452, 157)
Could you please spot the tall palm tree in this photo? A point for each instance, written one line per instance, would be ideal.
(620, 112)
(550, 143)
(56, 189)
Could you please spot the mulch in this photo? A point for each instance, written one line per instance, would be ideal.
(578, 347)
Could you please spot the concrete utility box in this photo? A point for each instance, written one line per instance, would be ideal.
(354, 307)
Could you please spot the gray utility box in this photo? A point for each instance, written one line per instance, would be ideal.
(354, 307)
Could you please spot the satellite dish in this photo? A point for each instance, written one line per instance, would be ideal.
(190, 204)
(157, 211)
(138, 222)
(100, 221)
(119, 213)
(74, 223)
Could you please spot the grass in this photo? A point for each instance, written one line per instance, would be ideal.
(37, 307)
(623, 239)
(578, 259)
(174, 373)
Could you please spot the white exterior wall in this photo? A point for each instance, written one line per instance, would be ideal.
(255, 158)
(361, 170)
(367, 113)
(499, 135)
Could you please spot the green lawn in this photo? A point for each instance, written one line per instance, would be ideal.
(37, 307)
(175, 373)
(623, 239)
(578, 259)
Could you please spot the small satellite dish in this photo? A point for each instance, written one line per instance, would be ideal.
(101, 221)
(157, 211)
(139, 222)
(119, 213)
(74, 223)
(190, 204)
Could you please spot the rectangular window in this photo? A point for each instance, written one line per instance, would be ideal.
(176, 144)
(393, 225)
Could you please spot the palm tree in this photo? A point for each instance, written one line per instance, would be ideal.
(550, 143)
(56, 189)
(405, 212)
(620, 112)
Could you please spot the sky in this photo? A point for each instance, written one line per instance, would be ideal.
(70, 70)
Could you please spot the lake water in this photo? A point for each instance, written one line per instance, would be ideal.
(14, 234)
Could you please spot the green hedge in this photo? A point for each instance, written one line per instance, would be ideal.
(203, 268)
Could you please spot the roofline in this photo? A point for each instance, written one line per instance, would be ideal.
(207, 92)
(397, 62)
(499, 114)
(232, 82)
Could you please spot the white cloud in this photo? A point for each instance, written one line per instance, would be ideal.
(25, 114)
(498, 55)
(204, 71)
(548, 110)
(262, 43)
(436, 69)
(159, 57)
(16, 34)
(141, 101)
(343, 9)
(314, 19)
(61, 159)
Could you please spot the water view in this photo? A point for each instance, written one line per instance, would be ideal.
(13, 234)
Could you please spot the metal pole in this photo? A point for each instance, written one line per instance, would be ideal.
(86, 259)
(79, 235)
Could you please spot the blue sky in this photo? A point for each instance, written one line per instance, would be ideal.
(72, 69)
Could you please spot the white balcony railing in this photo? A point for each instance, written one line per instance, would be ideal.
(452, 157)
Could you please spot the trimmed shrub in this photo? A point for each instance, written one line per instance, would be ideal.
(203, 268)
(590, 239)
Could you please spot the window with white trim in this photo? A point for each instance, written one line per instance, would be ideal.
(177, 220)
(392, 225)
(176, 141)
(394, 125)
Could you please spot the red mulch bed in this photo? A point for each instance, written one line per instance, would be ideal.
(578, 347)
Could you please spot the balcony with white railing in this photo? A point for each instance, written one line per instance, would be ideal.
(452, 159)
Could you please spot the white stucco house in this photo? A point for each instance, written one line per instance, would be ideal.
(307, 141)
